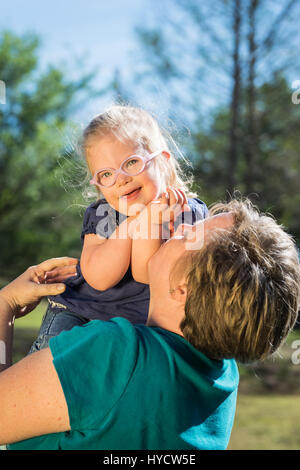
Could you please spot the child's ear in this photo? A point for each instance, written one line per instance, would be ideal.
(166, 154)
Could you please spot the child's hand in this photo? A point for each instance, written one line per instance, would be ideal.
(162, 212)
(168, 207)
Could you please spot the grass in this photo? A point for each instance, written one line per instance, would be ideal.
(268, 407)
(266, 423)
(26, 330)
(33, 320)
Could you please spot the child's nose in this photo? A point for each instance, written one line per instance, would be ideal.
(122, 179)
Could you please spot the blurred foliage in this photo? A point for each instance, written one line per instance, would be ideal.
(39, 208)
(225, 69)
(42, 175)
(277, 163)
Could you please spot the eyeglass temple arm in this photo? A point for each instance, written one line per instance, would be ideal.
(155, 154)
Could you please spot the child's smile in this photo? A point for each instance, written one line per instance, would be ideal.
(131, 195)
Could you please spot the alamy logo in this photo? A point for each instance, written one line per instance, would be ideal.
(296, 354)
(2, 353)
(108, 221)
(2, 92)
(296, 93)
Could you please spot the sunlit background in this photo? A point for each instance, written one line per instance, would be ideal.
(220, 76)
(80, 37)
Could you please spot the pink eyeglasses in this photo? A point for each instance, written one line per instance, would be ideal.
(131, 166)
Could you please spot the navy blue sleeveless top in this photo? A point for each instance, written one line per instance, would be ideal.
(128, 298)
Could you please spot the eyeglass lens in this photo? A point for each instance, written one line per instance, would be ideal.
(132, 166)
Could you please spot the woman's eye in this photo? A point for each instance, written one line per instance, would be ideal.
(107, 174)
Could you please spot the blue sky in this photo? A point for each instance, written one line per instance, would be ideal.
(100, 32)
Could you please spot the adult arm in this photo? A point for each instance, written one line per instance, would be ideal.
(32, 399)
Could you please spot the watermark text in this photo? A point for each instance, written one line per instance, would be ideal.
(296, 354)
(296, 93)
(151, 222)
(2, 92)
(2, 352)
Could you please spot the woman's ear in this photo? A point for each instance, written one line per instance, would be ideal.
(179, 293)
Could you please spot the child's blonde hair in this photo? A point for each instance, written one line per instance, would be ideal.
(135, 125)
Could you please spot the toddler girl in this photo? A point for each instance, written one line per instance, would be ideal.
(132, 168)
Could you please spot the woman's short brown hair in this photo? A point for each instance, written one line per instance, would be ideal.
(243, 288)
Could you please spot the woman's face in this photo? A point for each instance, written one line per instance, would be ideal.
(186, 240)
(129, 194)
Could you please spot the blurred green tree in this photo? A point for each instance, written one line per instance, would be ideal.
(276, 178)
(37, 215)
(224, 69)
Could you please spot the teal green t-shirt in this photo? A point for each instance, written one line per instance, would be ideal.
(131, 387)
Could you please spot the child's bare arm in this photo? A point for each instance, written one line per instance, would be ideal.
(104, 262)
(146, 240)
(148, 234)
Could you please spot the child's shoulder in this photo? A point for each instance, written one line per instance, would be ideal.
(98, 209)
(198, 207)
(100, 218)
(95, 204)
(198, 212)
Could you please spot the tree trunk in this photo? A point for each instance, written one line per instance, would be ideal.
(235, 102)
(251, 146)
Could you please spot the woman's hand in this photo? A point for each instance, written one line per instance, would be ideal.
(24, 293)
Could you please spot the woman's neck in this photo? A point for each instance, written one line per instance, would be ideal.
(165, 314)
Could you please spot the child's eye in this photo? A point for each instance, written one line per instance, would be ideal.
(107, 174)
(132, 162)
(104, 177)
(133, 166)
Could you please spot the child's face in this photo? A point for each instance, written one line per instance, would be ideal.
(129, 194)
